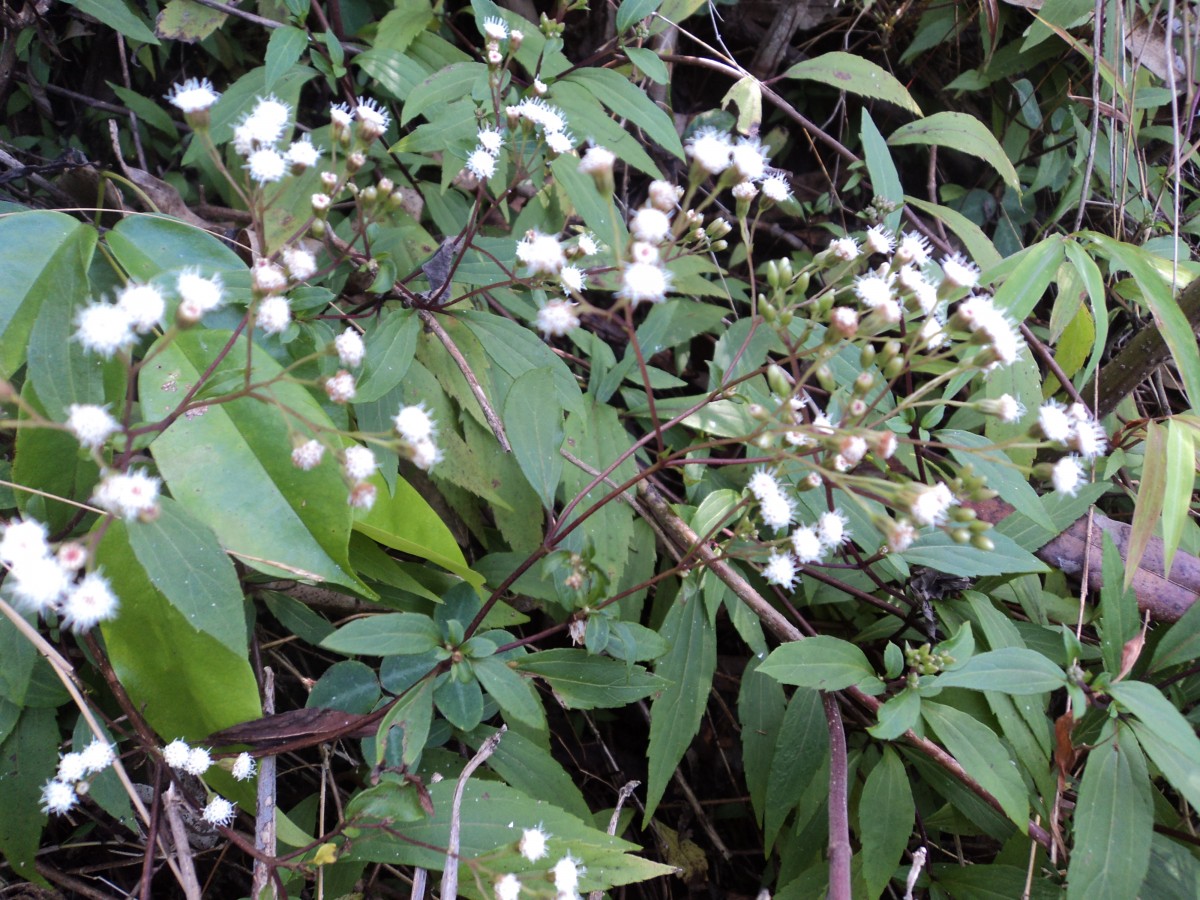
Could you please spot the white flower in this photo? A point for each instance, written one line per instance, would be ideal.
(664, 195)
(91, 425)
(414, 424)
(641, 252)
(539, 112)
(198, 295)
(266, 164)
(193, 96)
(644, 282)
(302, 154)
(853, 448)
(879, 239)
(300, 264)
(845, 249)
(710, 149)
(775, 187)
(219, 811)
(373, 118)
(198, 762)
(143, 304)
(362, 495)
(873, 290)
(23, 539)
(243, 767)
(495, 29)
(541, 253)
(832, 528)
(930, 504)
(176, 754)
(932, 333)
(71, 768)
(90, 603)
(807, 545)
(651, 225)
(597, 161)
(268, 278)
(58, 797)
(560, 142)
(913, 249)
(340, 117)
(340, 388)
(481, 163)
(900, 535)
(127, 495)
(1054, 423)
(426, 455)
(587, 245)
(749, 158)
(103, 329)
(308, 455)
(72, 556)
(1089, 439)
(1008, 409)
(508, 887)
(358, 462)
(490, 139)
(777, 510)
(573, 278)
(926, 296)
(1067, 475)
(566, 874)
(763, 484)
(533, 843)
(350, 348)
(959, 272)
(557, 318)
(97, 756)
(274, 314)
(272, 112)
(780, 570)
(37, 583)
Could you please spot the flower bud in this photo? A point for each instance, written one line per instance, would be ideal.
(329, 181)
(386, 186)
(863, 383)
(779, 380)
(981, 542)
(825, 378)
(369, 195)
(355, 161)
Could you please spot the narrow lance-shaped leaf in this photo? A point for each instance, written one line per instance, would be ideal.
(533, 421)
(821, 662)
(885, 819)
(856, 75)
(1011, 670)
(962, 132)
(1147, 506)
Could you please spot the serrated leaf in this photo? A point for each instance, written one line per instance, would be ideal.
(885, 820)
(515, 695)
(962, 132)
(688, 667)
(583, 681)
(801, 749)
(937, 550)
(1114, 820)
(391, 634)
(395, 72)
(1009, 670)
(856, 75)
(625, 100)
(442, 87)
(897, 715)
(1002, 476)
(284, 49)
(630, 12)
(188, 21)
(885, 179)
(821, 662)
(761, 704)
(118, 16)
(533, 422)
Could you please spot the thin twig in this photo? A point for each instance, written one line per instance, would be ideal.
(183, 851)
(450, 875)
(626, 791)
(839, 816)
(264, 824)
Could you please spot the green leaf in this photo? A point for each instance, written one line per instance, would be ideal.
(186, 682)
(630, 12)
(515, 695)
(649, 64)
(117, 15)
(284, 48)
(582, 681)
(1034, 269)
(687, 667)
(1114, 820)
(761, 704)
(746, 94)
(588, 116)
(147, 246)
(978, 244)
(983, 756)
(46, 256)
(188, 21)
(801, 752)
(28, 757)
(184, 562)
(1181, 477)
(821, 662)
(391, 345)
(402, 24)
(1119, 617)
(391, 634)
(533, 421)
(348, 685)
(1002, 476)
(1148, 504)
(885, 821)
(962, 132)
(897, 715)
(851, 73)
(937, 550)
(1181, 643)
(529, 767)
(442, 87)
(404, 521)
(49, 461)
(1158, 713)
(581, 191)
(461, 702)
(885, 179)
(412, 714)
(397, 73)
(255, 482)
(147, 110)
(1010, 670)
(627, 101)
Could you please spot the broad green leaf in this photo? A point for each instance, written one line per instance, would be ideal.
(582, 681)
(284, 48)
(412, 714)
(188, 21)
(962, 132)
(529, 767)
(746, 94)
(49, 461)
(885, 179)
(1029, 277)
(1009, 670)
(396, 72)
(761, 704)
(1119, 618)
(649, 64)
(856, 75)
(1177, 491)
(1181, 643)
(147, 246)
(897, 715)
(28, 757)
(349, 685)
(461, 702)
(444, 86)
(1093, 282)
(885, 820)
(186, 682)
(1002, 476)
(1114, 820)
(1152, 708)
(404, 521)
(149, 111)
(1179, 767)
(1173, 871)
(983, 756)
(390, 634)
(630, 12)
(978, 244)
(390, 345)
(183, 560)
(515, 695)
(402, 24)
(46, 256)
(938, 551)
(821, 662)
(801, 750)
(1148, 504)
(230, 465)
(688, 667)
(586, 115)
(492, 817)
(117, 15)
(994, 881)
(621, 96)
(533, 422)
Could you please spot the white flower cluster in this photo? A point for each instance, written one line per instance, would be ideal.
(419, 432)
(533, 847)
(62, 792)
(129, 495)
(108, 328)
(372, 118)
(43, 582)
(537, 113)
(807, 544)
(257, 137)
(196, 761)
(715, 152)
(1072, 427)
